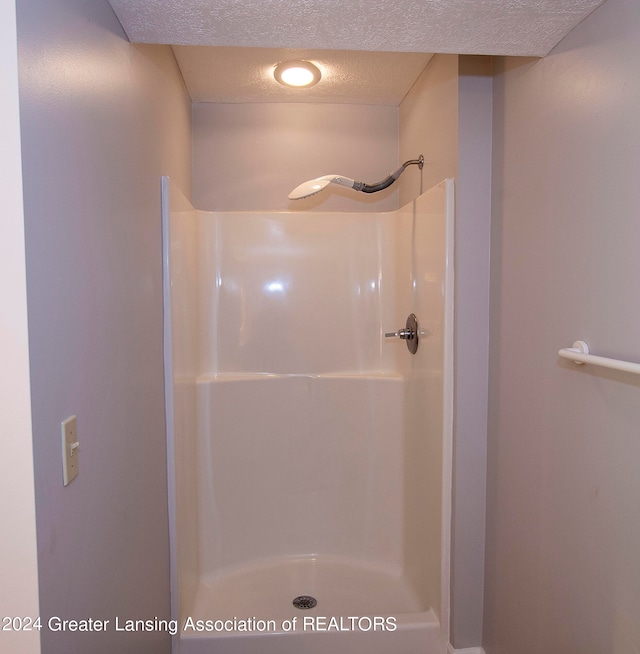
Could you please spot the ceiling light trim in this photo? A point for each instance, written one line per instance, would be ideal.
(286, 74)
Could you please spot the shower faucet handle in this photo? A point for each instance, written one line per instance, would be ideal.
(401, 333)
(409, 333)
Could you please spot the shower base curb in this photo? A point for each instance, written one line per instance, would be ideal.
(417, 633)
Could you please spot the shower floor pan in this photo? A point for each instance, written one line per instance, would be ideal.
(359, 610)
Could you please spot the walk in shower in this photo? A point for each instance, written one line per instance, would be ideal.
(309, 454)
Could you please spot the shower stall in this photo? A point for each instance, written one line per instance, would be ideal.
(309, 449)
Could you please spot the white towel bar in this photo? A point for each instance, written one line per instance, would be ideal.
(579, 354)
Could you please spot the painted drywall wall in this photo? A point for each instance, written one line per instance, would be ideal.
(429, 126)
(446, 116)
(18, 559)
(473, 237)
(248, 157)
(563, 527)
(101, 122)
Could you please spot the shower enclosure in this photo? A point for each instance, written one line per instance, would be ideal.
(309, 455)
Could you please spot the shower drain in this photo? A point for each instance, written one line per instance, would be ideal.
(304, 602)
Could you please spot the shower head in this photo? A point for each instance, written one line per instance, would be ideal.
(313, 186)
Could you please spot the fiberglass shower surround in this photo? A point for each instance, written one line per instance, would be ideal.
(308, 453)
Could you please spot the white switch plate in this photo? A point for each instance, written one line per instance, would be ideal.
(69, 450)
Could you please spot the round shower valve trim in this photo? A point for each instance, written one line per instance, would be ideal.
(408, 334)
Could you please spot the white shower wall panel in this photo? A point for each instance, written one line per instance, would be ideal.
(312, 455)
(425, 256)
(295, 292)
(182, 360)
(300, 466)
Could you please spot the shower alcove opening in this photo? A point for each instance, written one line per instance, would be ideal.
(309, 456)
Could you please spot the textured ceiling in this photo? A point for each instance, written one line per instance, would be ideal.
(369, 51)
(496, 27)
(221, 74)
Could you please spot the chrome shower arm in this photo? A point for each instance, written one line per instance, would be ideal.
(390, 179)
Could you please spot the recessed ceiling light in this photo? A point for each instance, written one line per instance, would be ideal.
(297, 73)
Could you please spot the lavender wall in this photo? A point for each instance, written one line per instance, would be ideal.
(473, 236)
(101, 121)
(563, 528)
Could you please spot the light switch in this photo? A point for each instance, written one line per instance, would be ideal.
(69, 450)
